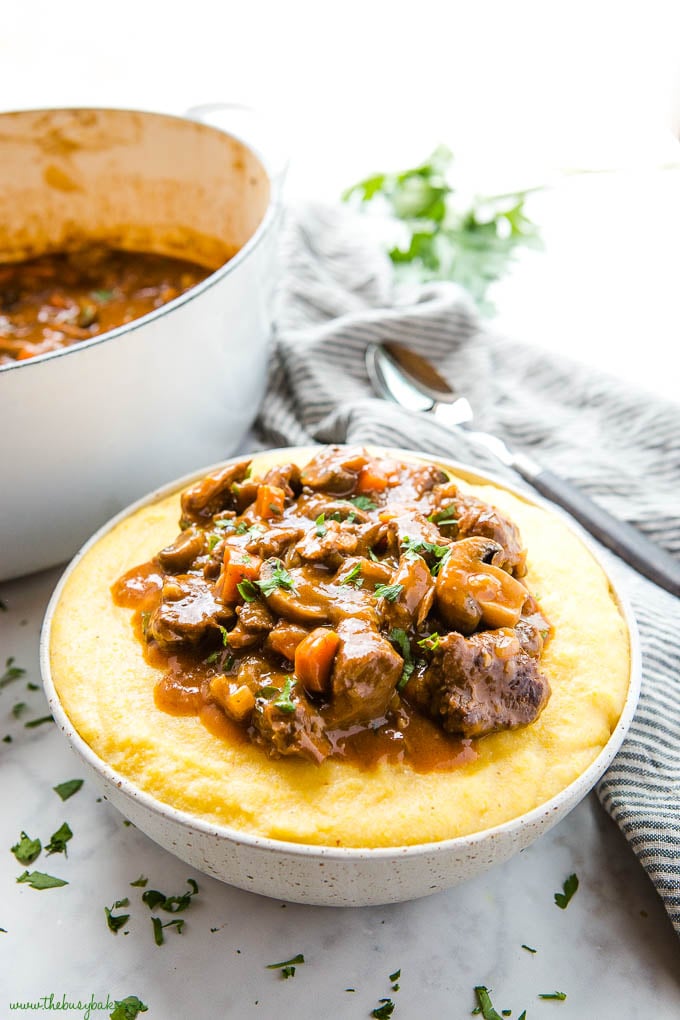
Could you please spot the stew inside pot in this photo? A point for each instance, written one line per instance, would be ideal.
(354, 607)
(62, 298)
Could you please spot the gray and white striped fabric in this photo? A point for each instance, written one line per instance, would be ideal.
(620, 446)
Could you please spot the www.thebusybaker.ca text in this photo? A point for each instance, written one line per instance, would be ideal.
(51, 1001)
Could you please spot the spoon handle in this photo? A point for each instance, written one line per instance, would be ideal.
(622, 538)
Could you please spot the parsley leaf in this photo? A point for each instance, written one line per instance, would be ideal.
(280, 579)
(287, 967)
(528, 948)
(172, 904)
(116, 921)
(19, 708)
(11, 673)
(213, 540)
(320, 525)
(128, 1008)
(39, 880)
(399, 638)
(284, 701)
(391, 592)
(485, 1004)
(363, 503)
(158, 927)
(569, 887)
(141, 881)
(27, 849)
(560, 996)
(59, 839)
(354, 577)
(384, 1011)
(247, 590)
(32, 723)
(432, 641)
(225, 635)
(444, 517)
(67, 789)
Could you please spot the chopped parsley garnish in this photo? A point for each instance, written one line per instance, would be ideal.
(506, 1012)
(59, 839)
(247, 590)
(523, 1015)
(418, 546)
(399, 638)
(284, 701)
(32, 723)
(11, 673)
(172, 904)
(320, 526)
(30, 686)
(19, 708)
(432, 641)
(67, 789)
(128, 1008)
(101, 295)
(3, 606)
(225, 635)
(213, 541)
(372, 556)
(287, 967)
(140, 882)
(485, 1004)
(280, 579)
(158, 927)
(227, 524)
(559, 996)
(39, 880)
(7, 739)
(444, 517)
(391, 592)
(569, 887)
(396, 975)
(27, 849)
(145, 616)
(213, 657)
(528, 948)
(384, 1011)
(354, 577)
(363, 503)
(116, 921)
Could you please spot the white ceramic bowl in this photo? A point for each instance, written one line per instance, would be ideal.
(322, 874)
(88, 428)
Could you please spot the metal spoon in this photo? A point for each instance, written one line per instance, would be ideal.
(404, 376)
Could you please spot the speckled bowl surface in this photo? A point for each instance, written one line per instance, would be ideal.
(328, 875)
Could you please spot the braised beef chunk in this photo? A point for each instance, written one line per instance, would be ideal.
(481, 684)
(337, 601)
(301, 732)
(187, 614)
(213, 493)
(365, 674)
(477, 518)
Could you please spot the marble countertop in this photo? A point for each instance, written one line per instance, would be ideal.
(612, 951)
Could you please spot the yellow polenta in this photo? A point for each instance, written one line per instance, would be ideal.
(107, 690)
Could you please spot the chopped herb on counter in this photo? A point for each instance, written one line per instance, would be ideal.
(11, 673)
(523, 1015)
(7, 739)
(39, 880)
(3, 606)
(484, 1003)
(559, 996)
(19, 708)
(68, 788)
(528, 949)
(172, 904)
(568, 889)
(128, 1008)
(141, 881)
(116, 921)
(158, 927)
(287, 967)
(32, 723)
(59, 839)
(383, 1011)
(32, 687)
(391, 592)
(27, 849)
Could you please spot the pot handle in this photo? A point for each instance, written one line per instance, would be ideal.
(252, 128)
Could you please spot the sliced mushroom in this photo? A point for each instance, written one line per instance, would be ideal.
(415, 594)
(334, 469)
(471, 589)
(213, 493)
(179, 556)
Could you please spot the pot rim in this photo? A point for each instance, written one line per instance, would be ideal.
(272, 212)
(559, 803)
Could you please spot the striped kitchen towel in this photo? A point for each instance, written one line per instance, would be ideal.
(620, 446)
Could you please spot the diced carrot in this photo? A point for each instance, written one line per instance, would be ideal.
(270, 501)
(371, 479)
(314, 659)
(238, 566)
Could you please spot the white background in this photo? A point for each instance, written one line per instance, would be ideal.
(520, 91)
